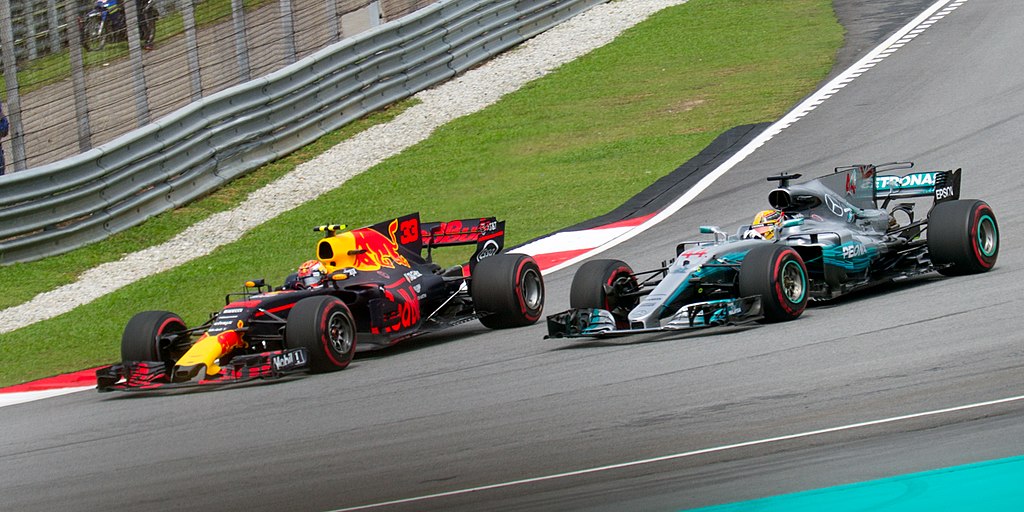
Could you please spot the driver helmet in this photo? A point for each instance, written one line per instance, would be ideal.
(310, 274)
(764, 225)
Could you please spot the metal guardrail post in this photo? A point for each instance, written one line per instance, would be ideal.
(374, 13)
(54, 30)
(30, 35)
(131, 15)
(288, 31)
(241, 45)
(333, 21)
(13, 109)
(78, 83)
(188, 17)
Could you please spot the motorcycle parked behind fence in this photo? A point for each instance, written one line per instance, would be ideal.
(105, 22)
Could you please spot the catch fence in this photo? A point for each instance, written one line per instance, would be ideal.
(197, 147)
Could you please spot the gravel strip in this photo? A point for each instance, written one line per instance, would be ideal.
(460, 96)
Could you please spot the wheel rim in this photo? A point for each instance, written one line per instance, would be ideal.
(339, 333)
(987, 236)
(793, 282)
(531, 288)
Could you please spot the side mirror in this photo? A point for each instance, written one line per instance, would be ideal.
(788, 223)
(714, 230)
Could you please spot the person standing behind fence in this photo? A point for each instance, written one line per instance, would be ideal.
(4, 128)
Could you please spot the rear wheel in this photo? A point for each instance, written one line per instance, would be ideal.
(963, 237)
(778, 274)
(325, 328)
(509, 288)
(141, 338)
(600, 284)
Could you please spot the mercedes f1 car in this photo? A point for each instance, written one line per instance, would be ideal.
(373, 284)
(845, 231)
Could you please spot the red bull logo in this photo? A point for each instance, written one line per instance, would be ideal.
(374, 250)
(402, 311)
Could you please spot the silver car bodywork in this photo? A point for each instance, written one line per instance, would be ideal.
(853, 228)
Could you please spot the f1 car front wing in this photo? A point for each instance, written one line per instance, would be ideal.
(599, 323)
(150, 375)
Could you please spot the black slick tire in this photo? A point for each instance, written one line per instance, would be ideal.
(778, 274)
(508, 289)
(963, 237)
(595, 284)
(325, 328)
(140, 340)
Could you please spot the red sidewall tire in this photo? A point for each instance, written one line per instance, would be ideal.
(588, 288)
(325, 328)
(963, 237)
(508, 289)
(140, 339)
(778, 274)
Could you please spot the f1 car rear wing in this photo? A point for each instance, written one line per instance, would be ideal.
(942, 185)
(458, 232)
(487, 233)
(869, 182)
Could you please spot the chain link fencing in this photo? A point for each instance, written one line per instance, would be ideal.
(76, 75)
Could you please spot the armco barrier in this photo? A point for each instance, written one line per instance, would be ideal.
(83, 199)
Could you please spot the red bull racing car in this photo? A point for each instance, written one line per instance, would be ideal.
(376, 284)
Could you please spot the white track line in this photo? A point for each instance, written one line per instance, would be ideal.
(887, 48)
(21, 397)
(682, 455)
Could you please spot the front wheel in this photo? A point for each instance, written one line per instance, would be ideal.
(325, 328)
(963, 237)
(508, 289)
(778, 275)
(605, 284)
(141, 340)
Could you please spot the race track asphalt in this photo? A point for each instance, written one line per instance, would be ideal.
(477, 408)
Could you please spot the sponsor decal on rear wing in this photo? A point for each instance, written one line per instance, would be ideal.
(942, 185)
(457, 232)
(487, 233)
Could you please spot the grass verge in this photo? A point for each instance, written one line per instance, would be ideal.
(567, 147)
(22, 281)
